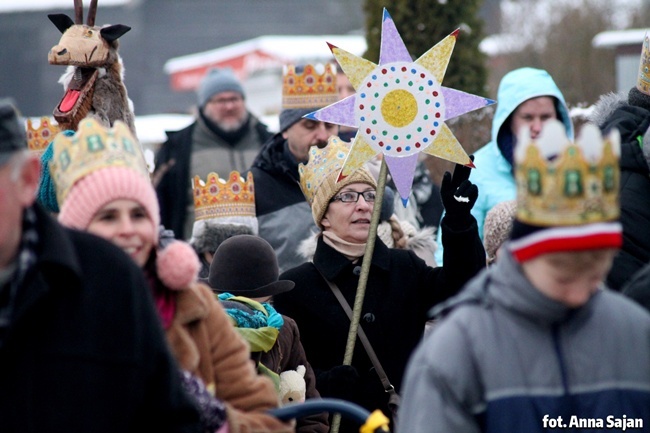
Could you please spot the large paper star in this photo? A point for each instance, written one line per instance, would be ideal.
(400, 107)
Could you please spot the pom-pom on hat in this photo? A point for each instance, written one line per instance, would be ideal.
(96, 166)
(318, 178)
(218, 81)
(567, 193)
(497, 227)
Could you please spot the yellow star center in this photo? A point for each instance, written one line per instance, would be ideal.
(399, 108)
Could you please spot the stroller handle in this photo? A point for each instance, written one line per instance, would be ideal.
(369, 422)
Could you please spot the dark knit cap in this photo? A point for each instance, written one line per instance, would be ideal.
(290, 116)
(12, 132)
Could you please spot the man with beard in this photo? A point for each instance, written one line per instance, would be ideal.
(224, 137)
(283, 215)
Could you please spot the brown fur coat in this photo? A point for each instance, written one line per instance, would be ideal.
(204, 343)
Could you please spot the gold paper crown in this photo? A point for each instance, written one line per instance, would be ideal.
(91, 148)
(562, 183)
(309, 89)
(643, 80)
(220, 198)
(321, 166)
(319, 178)
(39, 138)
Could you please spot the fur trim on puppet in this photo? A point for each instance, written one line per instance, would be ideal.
(421, 242)
(207, 235)
(177, 265)
(110, 100)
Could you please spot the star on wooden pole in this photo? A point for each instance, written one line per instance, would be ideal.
(400, 107)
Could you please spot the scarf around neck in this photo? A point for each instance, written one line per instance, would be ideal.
(350, 250)
(230, 137)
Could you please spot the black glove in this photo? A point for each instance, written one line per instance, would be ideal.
(338, 382)
(458, 196)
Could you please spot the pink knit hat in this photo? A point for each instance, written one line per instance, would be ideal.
(92, 192)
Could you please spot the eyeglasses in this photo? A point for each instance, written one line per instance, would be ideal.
(224, 101)
(353, 196)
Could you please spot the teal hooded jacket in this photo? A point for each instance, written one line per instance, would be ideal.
(493, 174)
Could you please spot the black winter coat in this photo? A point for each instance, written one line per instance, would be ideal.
(632, 122)
(638, 288)
(85, 351)
(401, 289)
(283, 214)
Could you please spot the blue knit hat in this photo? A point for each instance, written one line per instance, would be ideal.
(218, 81)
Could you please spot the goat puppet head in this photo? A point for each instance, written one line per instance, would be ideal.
(86, 47)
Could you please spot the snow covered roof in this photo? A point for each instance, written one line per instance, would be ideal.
(615, 38)
(7, 6)
(287, 48)
(502, 43)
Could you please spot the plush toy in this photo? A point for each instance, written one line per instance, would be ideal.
(292, 386)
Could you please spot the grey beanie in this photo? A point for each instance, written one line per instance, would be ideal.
(218, 81)
(292, 115)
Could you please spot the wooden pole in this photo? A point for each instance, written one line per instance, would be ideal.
(363, 279)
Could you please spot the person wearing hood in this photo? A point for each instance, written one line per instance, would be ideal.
(224, 137)
(629, 113)
(535, 342)
(526, 97)
(283, 216)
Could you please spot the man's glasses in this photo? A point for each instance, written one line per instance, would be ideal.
(353, 196)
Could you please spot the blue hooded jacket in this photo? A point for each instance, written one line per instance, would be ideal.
(493, 173)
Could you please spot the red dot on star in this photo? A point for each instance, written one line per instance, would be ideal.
(417, 144)
(384, 71)
(437, 114)
(403, 68)
(381, 144)
(422, 75)
(435, 93)
(369, 85)
(399, 149)
(361, 107)
(367, 130)
(433, 132)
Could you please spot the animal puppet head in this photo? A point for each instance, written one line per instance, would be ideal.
(85, 44)
(85, 48)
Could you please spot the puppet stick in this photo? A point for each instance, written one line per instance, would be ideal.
(363, 278)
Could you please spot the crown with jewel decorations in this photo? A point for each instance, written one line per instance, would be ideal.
(91, 148)
(567, 192)
(38, 138)
(224, 201)
(319, 177)
(643, 79)
(308, 88)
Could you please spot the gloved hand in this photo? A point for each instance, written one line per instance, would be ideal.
(211, 410)
(458, 196)
(339, 382)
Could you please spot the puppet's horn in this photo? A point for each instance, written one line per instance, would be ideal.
(92, 12)
(78, 11)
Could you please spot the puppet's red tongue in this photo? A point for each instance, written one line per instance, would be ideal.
(69, 99)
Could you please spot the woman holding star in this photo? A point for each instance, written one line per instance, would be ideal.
(401, 288)
(400, 109)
